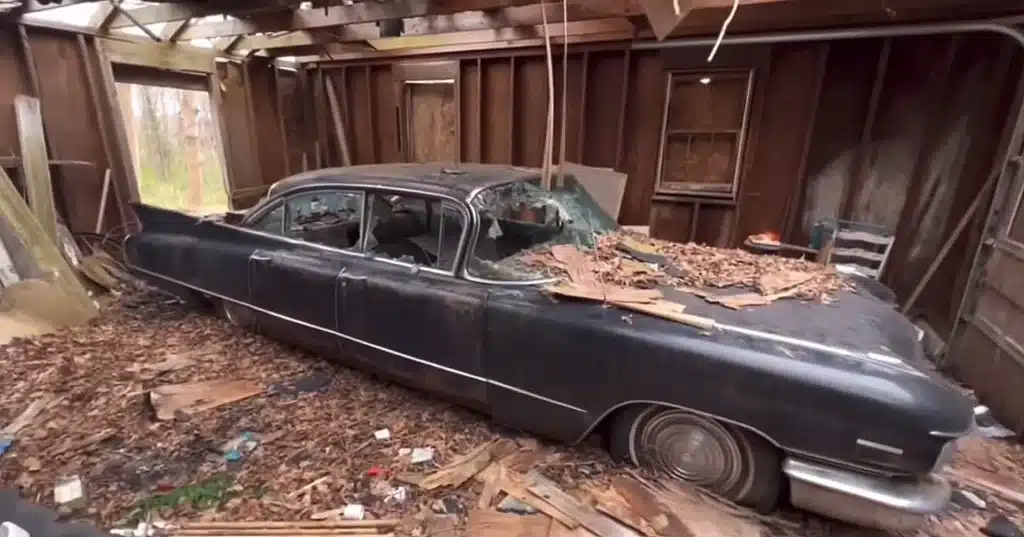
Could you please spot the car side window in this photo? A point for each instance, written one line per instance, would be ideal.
(328, 217)
(414, 229)
(271, 221)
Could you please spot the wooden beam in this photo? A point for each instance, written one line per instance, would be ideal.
(362, 12)
(173, 30)
(172, 12)
(503, 34)
(35, 164)
(353, 33)
(35, 6)
(169, 56)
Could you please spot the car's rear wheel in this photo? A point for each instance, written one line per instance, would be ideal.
(698, 450)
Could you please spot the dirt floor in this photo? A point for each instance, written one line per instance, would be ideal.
(314, 422)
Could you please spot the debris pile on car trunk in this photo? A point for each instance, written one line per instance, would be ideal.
(623, 262)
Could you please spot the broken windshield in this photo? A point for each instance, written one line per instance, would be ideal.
(521, 217)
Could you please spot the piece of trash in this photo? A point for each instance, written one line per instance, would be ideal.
(446, 506)
(512, 505)
(32, 464)
(312, 383)
(375, 471)
(69, 492)
(353, 511)
(966, 498)
(1000, 526)
(6, 441)
(421, 455)
(10, 529)
(397, 495)
(383, 434)
(402, 452)
(239, 446)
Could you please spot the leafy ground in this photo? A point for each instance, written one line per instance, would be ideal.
(317, 421)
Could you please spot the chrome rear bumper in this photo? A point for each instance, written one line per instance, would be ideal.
(869, 501)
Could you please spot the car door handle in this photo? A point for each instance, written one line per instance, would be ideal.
(261, 258)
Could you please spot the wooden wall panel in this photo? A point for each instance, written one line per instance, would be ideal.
(469, 110)
(385, 115)
(529, 110)
(641, 134)
(239, 144)
(70, 123)
(271, 149)
(496, 101)
(786, 115)
(605, 70)
(15, 81)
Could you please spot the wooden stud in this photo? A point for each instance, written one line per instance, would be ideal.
(621, 129)
(479, 109)
(120, 135)
(217, 105)
(279, 110)
(30, 64)
(374, 150)
(339, 122)
(101, 123)
(581, 137)
(795, 202)
(851, 189)
(458, 111)
(512, 110)
(346, 110)
(319, 123)
(694, 219)
(250, 110)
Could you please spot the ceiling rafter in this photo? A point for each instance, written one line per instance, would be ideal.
(173, 30)
(338, 15)
(472, 40)
(434, 24)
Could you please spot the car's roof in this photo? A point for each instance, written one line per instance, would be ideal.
(456, 180)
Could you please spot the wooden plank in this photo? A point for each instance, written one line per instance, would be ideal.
(108, 88)
(220, 132)
(340, 15)
(44, 251)
(35, 169)
(161, 56)
(102, 126)
(584, 514)
(339, 123)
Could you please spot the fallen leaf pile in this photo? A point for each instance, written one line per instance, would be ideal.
(85, 396)
(626, 259)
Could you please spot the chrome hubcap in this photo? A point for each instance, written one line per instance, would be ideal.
(692, 448)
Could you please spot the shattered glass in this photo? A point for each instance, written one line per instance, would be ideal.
(522, 218)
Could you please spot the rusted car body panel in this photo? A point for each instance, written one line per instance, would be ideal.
(560, 369)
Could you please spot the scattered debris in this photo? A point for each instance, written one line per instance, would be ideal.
(382, 434)
(966, 498)
(421, 455)
(69, 493)
(511, 505)
(352, 511)
(294, 528)
(238, 447)
(462, 469)
(493, 524)
(170, 399)
(1000, 526)
(312, 383)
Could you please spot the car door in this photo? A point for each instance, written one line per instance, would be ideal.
(295, 280)
(413, 319)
